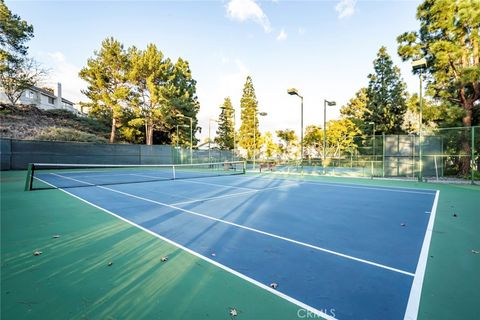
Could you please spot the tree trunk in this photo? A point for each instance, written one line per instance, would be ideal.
(466, 147)
(149, 133)
(112, 132)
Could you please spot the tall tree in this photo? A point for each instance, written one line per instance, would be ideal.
(386, 95)
(288, 143)
(14, 33)
(182, 100)
(149, 75)
(249, 135)
(356, 108)
(449, 40)
(18, 72)
(106, 75)
(226, 130)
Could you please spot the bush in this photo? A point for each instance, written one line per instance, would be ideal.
(66, 134)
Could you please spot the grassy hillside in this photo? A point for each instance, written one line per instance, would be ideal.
(31, 123)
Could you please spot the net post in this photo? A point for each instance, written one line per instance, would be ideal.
(173, 171)
(244, 167)
(29, 179)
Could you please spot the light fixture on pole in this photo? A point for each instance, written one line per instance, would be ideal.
(263, 114)
(420, 65)
(179, 115)
(325, 103)
(294, 92)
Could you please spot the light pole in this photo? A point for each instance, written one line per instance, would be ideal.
(178, 138)
(373, 146)
(234, 138)
(420, 65)
(183, 126)
(325, 103)
(263, 114)
(209, 137)
(373, 139)
(191, 134)
(294, 92)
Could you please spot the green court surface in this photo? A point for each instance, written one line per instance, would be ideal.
(72, 278)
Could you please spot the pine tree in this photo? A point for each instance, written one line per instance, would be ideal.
(386, 95)
(106, 75)
(182, 99)
(18, 72)
(225, 132)
(249, 135)
(149, 75)
(355, 110)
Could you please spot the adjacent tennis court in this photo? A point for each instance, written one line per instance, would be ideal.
(342, 251)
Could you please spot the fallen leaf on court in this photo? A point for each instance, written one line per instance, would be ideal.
(37, 253)
(110, 263)
(475, 251)
(274, 285)
(56, 236)
(164, 259)
(233, 312)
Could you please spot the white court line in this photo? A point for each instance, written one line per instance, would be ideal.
(255, 230)
(206, 183)
(342, 185)
(413, 304)
(216, 184)
(233, 194)
(198, 255)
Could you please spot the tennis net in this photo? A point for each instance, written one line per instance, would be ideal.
(54, 175)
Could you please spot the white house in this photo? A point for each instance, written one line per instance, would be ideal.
(43, 99)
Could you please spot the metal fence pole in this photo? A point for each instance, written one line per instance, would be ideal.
(383, 154)
(472, 156)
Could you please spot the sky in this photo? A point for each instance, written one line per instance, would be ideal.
(325, 49)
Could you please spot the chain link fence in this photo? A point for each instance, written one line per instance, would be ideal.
(446, 154)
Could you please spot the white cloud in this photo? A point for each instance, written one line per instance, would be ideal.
(282, 35)
(61, 70)
(301, 31)
(345, 8)
(243, 10)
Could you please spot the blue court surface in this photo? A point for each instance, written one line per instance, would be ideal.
(343, 251)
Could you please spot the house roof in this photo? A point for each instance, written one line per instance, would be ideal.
(49, 94)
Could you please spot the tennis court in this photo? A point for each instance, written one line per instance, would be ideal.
(340, 250)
